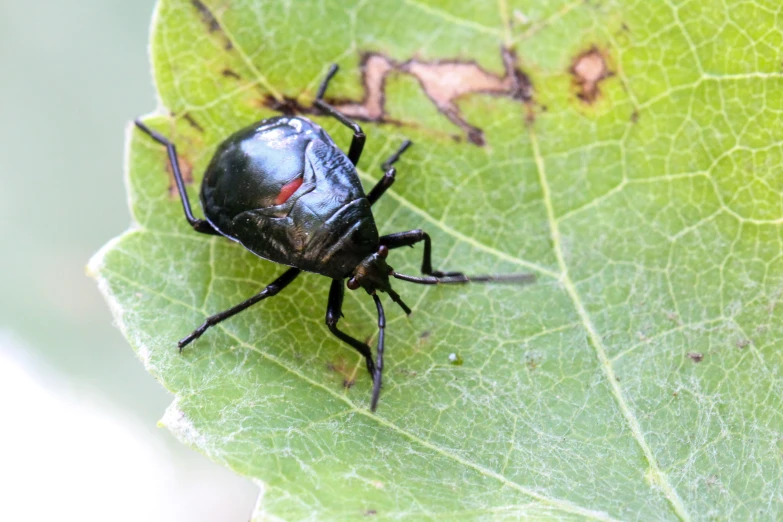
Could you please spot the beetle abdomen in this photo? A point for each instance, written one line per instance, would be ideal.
(284, 190)
(252, 168)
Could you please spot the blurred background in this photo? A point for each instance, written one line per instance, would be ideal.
(78, 413)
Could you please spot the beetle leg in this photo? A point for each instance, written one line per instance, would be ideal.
(357, 143)
(386, 181)
(376, 385)
(333, 313)
(410, 238)
(199, 225)
(394, 157)
(273, 289)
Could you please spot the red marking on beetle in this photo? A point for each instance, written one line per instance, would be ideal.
(287, 190)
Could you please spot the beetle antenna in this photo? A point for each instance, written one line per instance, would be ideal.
(396, 298)
(461, 279)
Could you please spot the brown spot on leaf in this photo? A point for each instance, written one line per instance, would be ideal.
(696, 357)
(212, 23)
(207, 16)
(521, 86)
(370, 512)
(192, 122)
(589, 70)
(742, 343)
(230, 73)
(186, 169)
(347, 373)
(287, 105)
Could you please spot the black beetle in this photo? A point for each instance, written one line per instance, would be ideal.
(286, 192)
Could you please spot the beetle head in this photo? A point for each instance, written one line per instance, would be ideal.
(373, 273)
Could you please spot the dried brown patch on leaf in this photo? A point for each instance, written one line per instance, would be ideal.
(588, 71)
(230, 73)
(374, 68)
(444, 82)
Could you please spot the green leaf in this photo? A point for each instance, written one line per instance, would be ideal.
(638, 175)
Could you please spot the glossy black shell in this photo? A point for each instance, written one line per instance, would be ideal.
(325, 226)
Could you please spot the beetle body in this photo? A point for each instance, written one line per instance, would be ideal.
(283, 189)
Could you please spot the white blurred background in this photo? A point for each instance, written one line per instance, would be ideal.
(78, 413)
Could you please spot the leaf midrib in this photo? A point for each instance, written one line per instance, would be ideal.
(596, 341)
